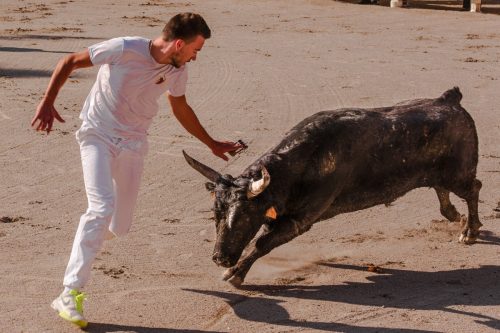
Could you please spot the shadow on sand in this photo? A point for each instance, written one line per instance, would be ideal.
(15, 73)
(47, 37)
(105, 328)
(394, 288)
(24, 49)
(27, 73)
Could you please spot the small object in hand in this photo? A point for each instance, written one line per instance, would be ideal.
(239, 150)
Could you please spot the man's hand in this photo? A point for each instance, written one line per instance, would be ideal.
(45, 113)
(188, 119)
(221, 147)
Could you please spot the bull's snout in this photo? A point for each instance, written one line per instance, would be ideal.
(221, 260)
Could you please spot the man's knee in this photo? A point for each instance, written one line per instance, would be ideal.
(93, 232)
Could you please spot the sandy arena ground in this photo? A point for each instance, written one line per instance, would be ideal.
(268, 65)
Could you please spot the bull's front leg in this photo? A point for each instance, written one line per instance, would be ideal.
(283, 230)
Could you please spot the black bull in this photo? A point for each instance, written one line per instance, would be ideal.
(341, 161)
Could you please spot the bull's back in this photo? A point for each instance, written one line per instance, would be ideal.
(418, 143)
(402, 136)
(377, 155)
(415, 144)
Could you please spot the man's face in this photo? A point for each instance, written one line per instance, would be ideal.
(187, 51)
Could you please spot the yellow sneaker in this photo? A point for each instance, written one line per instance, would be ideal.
(69, 305)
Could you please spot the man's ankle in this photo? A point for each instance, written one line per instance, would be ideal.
(67, 290)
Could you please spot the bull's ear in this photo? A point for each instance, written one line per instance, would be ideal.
(256, 187)
(210, 186)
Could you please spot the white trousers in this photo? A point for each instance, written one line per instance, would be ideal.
(112, 170)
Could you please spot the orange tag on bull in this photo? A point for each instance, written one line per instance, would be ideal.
(271, 213)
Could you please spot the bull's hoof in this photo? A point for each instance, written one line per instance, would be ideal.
(235, 281)
(230, 276)
(467, 239)
(470, 232)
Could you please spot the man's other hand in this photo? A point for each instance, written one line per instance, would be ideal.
(45, 113)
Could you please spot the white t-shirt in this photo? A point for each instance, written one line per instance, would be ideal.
(124, 98)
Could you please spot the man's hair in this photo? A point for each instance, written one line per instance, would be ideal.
(186, 26)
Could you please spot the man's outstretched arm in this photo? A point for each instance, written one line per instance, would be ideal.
(45, 112)
(188, 119)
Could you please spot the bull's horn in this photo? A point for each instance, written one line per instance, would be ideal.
(257, 187)
(201, 168)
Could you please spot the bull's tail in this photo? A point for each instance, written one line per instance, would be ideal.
(452, 96)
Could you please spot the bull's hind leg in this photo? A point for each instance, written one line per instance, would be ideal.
(471, 225)
(447, 209)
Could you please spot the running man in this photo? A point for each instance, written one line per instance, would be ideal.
(134, 72)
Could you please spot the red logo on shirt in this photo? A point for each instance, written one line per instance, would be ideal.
(160, 80)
